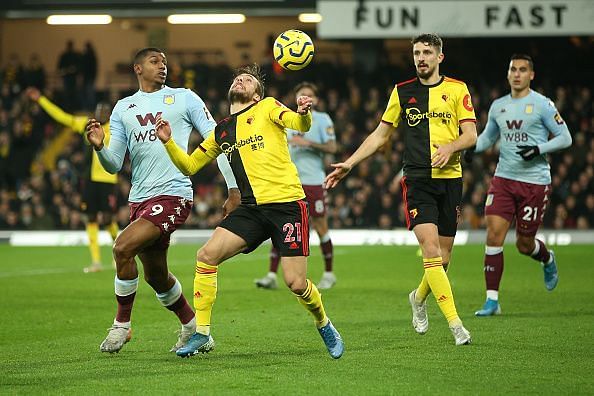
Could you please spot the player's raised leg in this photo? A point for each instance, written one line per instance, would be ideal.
(497, 228)
(537, 250)
(295, 272)
(222, 245)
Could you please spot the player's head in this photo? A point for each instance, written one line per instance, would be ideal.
(427, 54)
(520, 72)
(247, 85)
(307, 88)
(150, 65)
(102, 112)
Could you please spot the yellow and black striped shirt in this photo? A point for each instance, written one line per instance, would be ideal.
(255, 144)
(430, 114)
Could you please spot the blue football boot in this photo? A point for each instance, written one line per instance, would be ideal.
(491, 307)
(198, 343)
(551, 276)
(332, 339)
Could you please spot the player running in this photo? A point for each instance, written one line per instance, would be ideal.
(253, 139)
(520, 189)
(160, 197)
(307, 153)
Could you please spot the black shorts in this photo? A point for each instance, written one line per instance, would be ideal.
(286, 224)
(434, 201)
(98, 197)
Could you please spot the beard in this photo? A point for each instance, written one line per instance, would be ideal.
(425, 74)
(238, 97)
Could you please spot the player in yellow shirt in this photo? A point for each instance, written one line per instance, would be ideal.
(438, 121)
(272, 206)
(99, 186)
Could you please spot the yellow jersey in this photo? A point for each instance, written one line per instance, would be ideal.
(255, 144)
(430, 114)
(78, 124)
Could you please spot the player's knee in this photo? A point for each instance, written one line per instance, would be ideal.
(525, 247)
(122, 250)
(297, 285)
(208, 256)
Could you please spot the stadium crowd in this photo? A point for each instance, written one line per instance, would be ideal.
(38, 194)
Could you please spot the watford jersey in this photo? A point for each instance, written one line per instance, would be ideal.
(78, 124)
(255, 144)
(430, 114)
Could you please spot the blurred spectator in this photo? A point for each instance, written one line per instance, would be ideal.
(69, 67)
(88, 69)
(34, 73)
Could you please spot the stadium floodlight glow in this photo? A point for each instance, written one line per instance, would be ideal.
(205, 18)
(310, 18)
(78, 20)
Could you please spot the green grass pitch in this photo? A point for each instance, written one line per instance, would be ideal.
(54, 317)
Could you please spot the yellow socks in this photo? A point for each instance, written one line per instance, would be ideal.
(440, 286)
(311, 299)
(93, 234)
(113, 229)
(423, 289)
(205, 294)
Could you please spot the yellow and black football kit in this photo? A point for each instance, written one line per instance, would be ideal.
(430, 115)
(98, 187)
(255, 144)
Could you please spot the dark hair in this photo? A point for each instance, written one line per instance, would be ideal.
(143, 53)
(431, 39)
(306, 84)
(524, 57)
(254, 71)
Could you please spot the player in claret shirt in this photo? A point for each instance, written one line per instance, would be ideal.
(161, 196)
(520, 189)
(272, 206)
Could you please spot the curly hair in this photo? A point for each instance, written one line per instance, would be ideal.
(255, 71)
(431, 39)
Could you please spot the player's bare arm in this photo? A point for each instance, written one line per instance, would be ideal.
(95, 134)
(444, 151)
(372, 143)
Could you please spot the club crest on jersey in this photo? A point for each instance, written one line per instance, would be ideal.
(529, 109)
(250, 120)
(444, 97)
(169, 99)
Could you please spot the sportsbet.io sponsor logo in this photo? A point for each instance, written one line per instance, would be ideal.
(255, 141)
(414, 116)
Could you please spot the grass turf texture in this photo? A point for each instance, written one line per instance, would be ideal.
(54, 317)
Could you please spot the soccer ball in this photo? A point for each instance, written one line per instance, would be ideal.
(293, 50)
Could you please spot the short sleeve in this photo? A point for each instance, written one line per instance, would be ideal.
(464, 108)
(393, 110)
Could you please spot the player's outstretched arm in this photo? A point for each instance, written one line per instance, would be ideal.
(299, 120)
(187, 164)
(76, 123)
(370, 145)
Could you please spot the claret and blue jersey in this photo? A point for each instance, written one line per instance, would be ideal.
(132, 126)
(524, 121)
